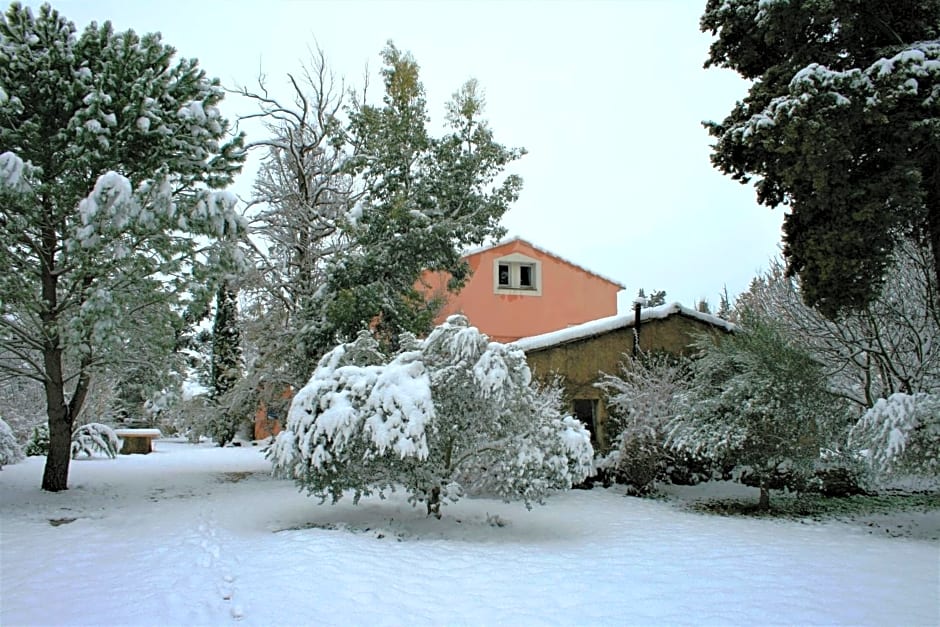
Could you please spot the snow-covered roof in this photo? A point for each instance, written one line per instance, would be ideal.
(605, 325)
(510, 240)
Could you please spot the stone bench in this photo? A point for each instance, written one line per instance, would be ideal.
(137, 440)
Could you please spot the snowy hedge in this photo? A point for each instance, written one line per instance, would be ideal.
(445, 416)
(10, 451)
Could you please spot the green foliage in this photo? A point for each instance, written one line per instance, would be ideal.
(226, 342)
(226, 369)
(425, 200)
(841, 124)
(755, 400)
(114, 151)
(38, 441)
(655, 299)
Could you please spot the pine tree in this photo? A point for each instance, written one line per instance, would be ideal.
(38, 443)
(449, 415)
(655, 299)
(841, 125)
(226, 364)
(112, 155)
(755, 400)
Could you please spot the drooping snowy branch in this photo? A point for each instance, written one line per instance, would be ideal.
(901, 435)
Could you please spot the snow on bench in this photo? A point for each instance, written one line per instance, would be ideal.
(137, 440)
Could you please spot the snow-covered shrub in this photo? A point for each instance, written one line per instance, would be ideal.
(758, 401)
(448, 415)
(38, 441)
(900, 435)
(10, 451)
(94, 438)
(642, 400)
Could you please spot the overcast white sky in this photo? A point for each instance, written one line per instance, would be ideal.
(607, 97)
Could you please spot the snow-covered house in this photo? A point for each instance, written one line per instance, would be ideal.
(518, 289)
(581, 353)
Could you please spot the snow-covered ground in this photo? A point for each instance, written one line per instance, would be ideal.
(196, 535)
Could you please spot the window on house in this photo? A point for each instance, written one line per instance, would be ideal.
(517, 274)
(504, 275)
(526, 273)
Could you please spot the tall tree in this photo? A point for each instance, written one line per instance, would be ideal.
(113, 151)
(425, 200)
(302, 196)
(226, 364)
(842, 124)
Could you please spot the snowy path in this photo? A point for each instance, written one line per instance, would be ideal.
(203, 536)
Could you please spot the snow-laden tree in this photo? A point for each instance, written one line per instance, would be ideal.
(22, 403)
(888, 346)
(94, 438)
(10, 450)
(655, 299)
(425, 200)
(755, 400)
(38, 443)
(301, 198)
(841, 124)
(448, 415)
(900, 435)
(112, 153)
(642, 399)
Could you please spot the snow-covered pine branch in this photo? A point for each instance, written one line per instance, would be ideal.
(900, 435)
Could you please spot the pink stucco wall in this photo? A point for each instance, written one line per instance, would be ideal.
(569, 295)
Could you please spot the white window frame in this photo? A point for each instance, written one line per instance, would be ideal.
(516, 262)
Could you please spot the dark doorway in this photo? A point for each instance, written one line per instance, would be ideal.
(585, 410)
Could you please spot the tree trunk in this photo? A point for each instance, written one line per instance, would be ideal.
(55, 476)
(763, 503)
(933, 212)
(931, 172)
(434, 502)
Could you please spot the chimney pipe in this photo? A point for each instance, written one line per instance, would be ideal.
(637, 306)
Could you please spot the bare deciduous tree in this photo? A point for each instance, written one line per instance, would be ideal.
(889, 346)
(301, 196)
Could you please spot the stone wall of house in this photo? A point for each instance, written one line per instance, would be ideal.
(580, 362)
